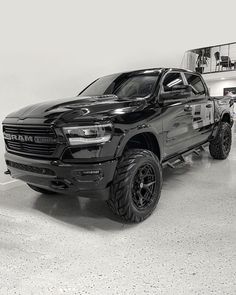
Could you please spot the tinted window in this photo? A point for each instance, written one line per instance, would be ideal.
(196, 84)
(101, 86)
(124, 86)
(171, 80)
(139, 86)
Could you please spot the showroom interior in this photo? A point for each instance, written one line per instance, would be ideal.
(65, 244)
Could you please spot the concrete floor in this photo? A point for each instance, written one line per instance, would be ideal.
(63, 245)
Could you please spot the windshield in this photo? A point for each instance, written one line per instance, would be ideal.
(123, 86)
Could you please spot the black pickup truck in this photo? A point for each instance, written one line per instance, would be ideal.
(112, 140)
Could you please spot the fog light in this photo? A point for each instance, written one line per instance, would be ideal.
(88, 175)
(91, 172)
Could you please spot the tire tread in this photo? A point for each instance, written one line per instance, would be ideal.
(215, 147)
(119, 200)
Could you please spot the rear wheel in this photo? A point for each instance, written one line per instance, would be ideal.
(221, 145)
(41, 190)
(136, 186)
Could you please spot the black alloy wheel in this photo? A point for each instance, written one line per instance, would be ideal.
(136, 186)
(220, 146)
(227, 140)
(144, 186)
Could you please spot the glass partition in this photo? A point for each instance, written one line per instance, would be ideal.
(211, 59)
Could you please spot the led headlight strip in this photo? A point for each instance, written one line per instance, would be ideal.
(83, 135)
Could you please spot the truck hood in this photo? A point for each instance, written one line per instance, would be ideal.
(79, 108)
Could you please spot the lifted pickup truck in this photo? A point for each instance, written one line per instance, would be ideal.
(112, 140)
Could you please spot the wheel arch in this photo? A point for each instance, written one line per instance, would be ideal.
(225, 117)
(143, 139)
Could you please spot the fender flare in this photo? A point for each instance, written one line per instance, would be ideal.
(136, 131)
(218, 122)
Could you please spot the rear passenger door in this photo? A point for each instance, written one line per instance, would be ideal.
(201, 108)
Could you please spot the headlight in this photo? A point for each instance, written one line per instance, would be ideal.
(83, 135)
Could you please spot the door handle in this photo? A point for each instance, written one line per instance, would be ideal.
(187, 108)
(209, 105)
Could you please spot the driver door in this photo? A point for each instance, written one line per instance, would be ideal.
(177, 122)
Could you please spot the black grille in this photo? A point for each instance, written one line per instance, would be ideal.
(44, 171)
(37, 133)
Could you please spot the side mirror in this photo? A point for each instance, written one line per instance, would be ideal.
(176, 94)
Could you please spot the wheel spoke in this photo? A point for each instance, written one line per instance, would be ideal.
(148, 175)
(147, 196)
(144, 186)
(140, 198)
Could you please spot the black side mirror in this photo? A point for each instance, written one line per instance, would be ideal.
(176, 94)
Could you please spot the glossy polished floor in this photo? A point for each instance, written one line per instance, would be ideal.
(63, 245)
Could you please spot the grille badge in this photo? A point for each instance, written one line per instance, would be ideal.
(28, 138)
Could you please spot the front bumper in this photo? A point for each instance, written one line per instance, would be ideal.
(86, 179)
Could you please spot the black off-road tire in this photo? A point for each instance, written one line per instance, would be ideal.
(221, 145)
(41, 190)
(122, 201)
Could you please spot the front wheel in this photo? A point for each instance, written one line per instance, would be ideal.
(136, 186)
(221, 145)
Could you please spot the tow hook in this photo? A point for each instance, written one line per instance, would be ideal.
(8, 172)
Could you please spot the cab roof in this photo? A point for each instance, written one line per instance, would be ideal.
(160, 69)
(153, 70)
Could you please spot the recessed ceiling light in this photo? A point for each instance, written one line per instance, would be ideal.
(222, 78)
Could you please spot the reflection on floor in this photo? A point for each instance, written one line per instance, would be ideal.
(66, 245)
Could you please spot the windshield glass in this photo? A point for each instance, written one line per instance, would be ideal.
(123, 86)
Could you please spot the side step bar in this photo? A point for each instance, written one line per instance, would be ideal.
(173, 162)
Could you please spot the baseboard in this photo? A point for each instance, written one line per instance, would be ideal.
(4, 186)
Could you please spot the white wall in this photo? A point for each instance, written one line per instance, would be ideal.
(53, 48)
(218, 81)
(217, 87)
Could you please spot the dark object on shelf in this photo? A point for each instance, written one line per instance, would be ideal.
(226, 62)
(199, 70)
(202, 61)
(206, 50)
(223, 61)
(217, 57)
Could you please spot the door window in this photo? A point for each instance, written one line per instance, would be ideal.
(171, 80)
(197, 86)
